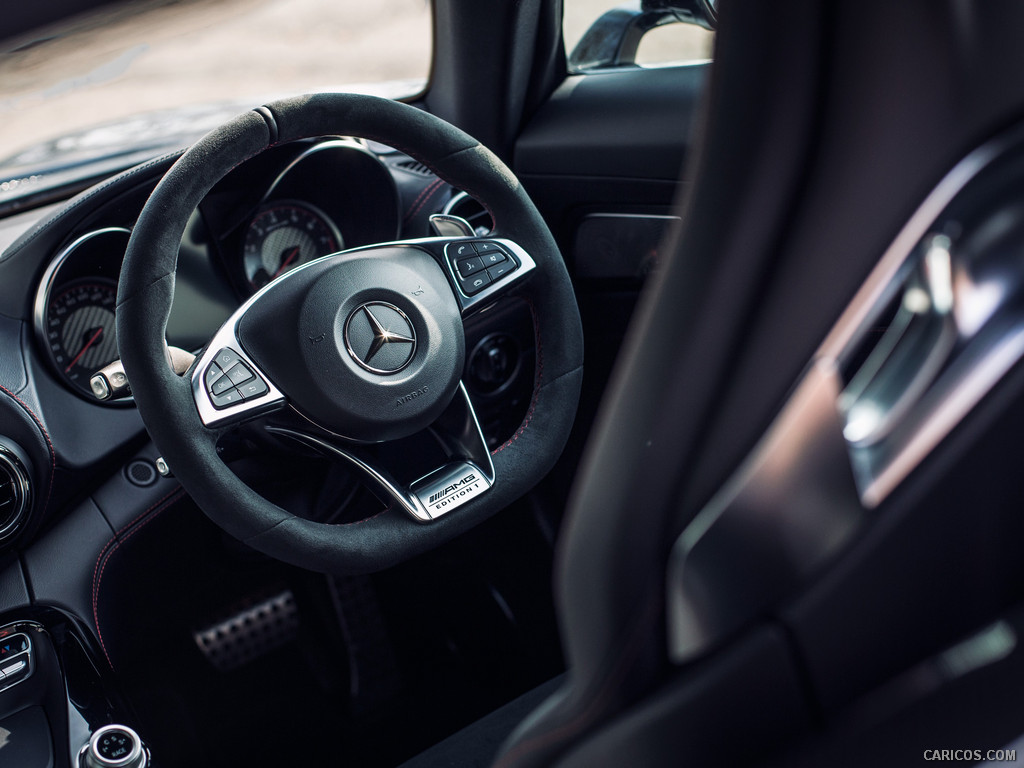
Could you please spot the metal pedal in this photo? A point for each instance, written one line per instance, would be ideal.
(250, 633)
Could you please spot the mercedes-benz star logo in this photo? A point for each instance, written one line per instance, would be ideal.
(380, 337)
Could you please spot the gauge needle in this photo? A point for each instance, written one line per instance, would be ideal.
(289, 258)
(89, 343)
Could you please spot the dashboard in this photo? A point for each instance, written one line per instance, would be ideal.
(281, 210)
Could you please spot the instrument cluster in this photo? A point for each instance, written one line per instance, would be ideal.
(284, 208)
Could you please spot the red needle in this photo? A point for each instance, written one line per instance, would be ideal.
(89, 343)
(284, 265)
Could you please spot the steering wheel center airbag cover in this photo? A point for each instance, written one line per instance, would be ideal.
(368, 345)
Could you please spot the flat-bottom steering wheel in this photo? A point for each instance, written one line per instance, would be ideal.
(357, 347)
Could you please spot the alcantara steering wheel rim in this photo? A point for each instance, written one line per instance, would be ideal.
(167, 403)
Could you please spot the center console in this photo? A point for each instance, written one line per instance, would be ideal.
(57, 710)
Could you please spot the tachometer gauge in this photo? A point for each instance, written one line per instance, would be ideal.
(80, 330)
(284, 235)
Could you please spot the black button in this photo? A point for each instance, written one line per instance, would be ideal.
(223, 400)
(115, 745)
(494, 257)
(212, 374)
(240, 373)
(252, 389)
(475, 283)
(221, 385)
(471, 266)
(461, 250)
(226, 358)
(14, 671)
(500, 270)
(486, 248)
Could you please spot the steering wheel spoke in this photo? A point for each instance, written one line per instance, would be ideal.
(466, 473)
(482, 269)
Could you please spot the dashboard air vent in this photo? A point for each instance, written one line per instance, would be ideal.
(466, 207)
(14, 492)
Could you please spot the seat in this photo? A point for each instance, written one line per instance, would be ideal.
(825, 127)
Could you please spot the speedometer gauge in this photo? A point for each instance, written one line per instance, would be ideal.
(80, 330)
(284, 235)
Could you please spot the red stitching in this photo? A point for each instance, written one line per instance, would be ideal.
(122, 529)
(365, 519)
(423, 198)
(431, 166)
(536, 383)
(46, 437)
(107, 551)
(416, 156)
(250, 156)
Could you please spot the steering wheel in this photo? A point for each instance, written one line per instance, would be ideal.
(357, 347)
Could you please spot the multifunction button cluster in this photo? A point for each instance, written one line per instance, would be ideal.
(15, 659)
(230, 381)
(478, 263)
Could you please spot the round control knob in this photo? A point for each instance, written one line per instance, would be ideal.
(493, 364)
(115, 746)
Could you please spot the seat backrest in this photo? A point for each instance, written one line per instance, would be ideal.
(820, 136)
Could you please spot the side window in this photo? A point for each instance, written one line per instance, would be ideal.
(608, 33)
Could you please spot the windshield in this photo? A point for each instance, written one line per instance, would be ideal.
(135, 59)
